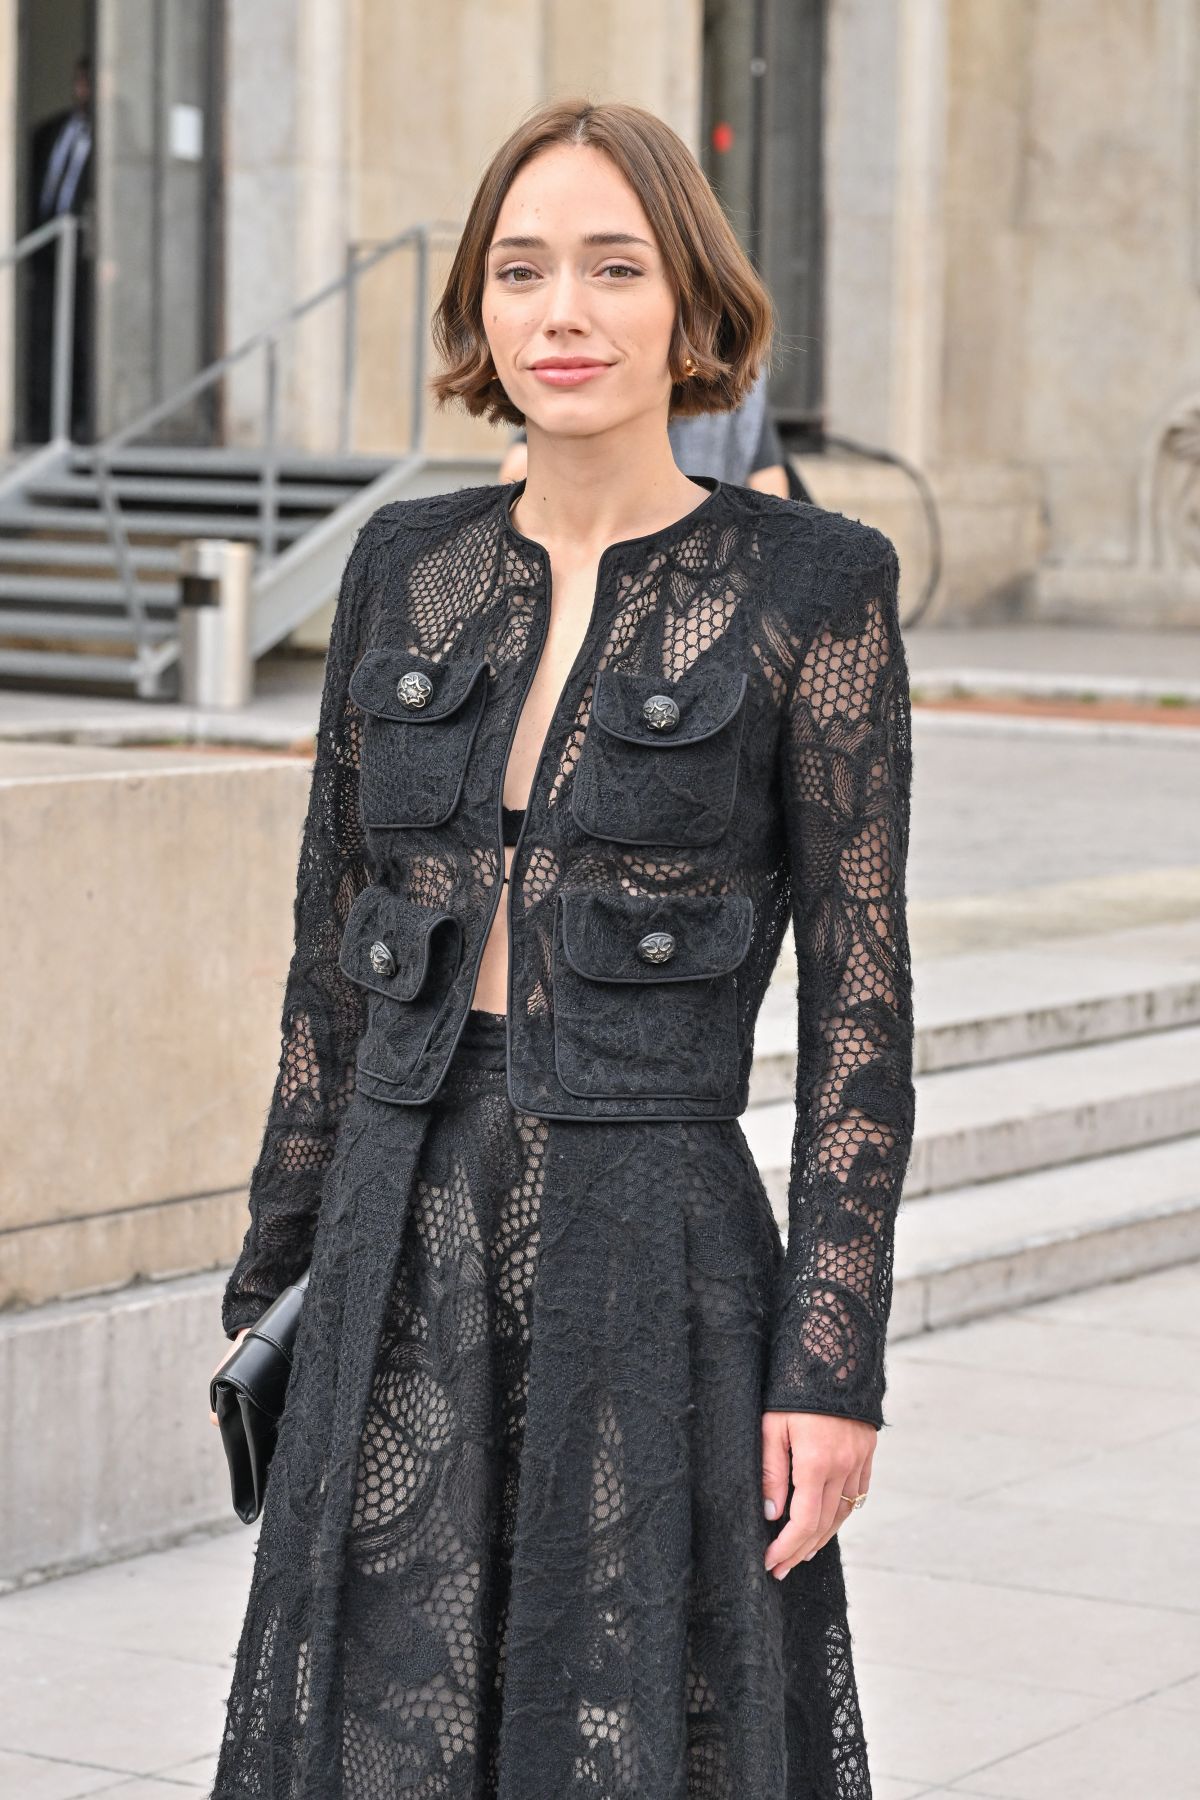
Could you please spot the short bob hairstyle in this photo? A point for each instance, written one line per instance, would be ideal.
(724, 321)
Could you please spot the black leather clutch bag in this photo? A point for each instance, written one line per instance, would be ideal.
(247, 1395)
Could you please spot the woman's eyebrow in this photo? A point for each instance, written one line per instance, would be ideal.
(593, 238)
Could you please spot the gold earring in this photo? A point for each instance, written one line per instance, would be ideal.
(689, 367)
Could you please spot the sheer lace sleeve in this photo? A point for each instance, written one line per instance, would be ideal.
(846, 778)
(323, 1013)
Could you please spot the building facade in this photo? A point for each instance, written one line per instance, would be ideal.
(979, 219)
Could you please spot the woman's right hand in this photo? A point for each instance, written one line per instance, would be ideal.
(233, 1346)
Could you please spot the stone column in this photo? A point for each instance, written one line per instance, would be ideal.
(286, 203)
(885, 155)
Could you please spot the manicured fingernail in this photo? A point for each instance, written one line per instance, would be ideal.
(770, 1508)
(779, 1573)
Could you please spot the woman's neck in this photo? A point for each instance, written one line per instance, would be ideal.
(587, 493)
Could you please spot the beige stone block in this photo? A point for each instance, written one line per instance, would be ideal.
(989, 516)
(1108, 103)
(145, 931)
(1113, 595)
(982, 394)
(623, 50)
(987, 48)
(105, 1403)
(1103, 353)
(1091, 510)
(95, 1253)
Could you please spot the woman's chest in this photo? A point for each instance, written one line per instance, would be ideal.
(618, 719)
(569, 613)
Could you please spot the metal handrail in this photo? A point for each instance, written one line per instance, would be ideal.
(64, 227)
(268, 339)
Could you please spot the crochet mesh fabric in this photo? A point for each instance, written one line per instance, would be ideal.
(582, 1400)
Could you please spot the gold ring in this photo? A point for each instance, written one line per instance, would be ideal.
(854, 1501)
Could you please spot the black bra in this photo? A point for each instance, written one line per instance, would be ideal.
(513, 818)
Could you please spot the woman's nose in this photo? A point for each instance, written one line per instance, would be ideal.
(565, 305)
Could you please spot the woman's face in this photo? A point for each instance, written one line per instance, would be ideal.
(577, 305)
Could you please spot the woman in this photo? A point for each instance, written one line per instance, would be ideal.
(569, 1439)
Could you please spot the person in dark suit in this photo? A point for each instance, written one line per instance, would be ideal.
(60, 167)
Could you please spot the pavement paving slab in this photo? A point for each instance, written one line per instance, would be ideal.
(1024, 1583)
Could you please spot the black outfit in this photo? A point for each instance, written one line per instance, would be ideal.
(61, 152)
(512, 1542)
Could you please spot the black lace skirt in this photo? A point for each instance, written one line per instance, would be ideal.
(512, 1547)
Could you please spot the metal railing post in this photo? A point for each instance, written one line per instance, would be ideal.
(65, 230)
(417, 434)
(349, 350)
(122, 554)
(63, 356)
(270, 475)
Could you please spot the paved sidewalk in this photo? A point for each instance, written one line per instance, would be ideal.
(1024, 1584)
(1163, 661)
(1030, 659)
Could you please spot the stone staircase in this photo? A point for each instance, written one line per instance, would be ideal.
(60, 589)
(1057, 1138)
(1057, 1147)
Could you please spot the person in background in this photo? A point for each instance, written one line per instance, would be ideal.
(60, 181)
(741, 447)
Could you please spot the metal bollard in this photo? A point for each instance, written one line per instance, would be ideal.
(215, 665)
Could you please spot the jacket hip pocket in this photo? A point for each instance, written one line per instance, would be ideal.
(420, 720)
(659, 761)
(645, 994)
(406, 957)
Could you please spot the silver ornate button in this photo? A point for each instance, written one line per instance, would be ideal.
(657, 947)
(660, 712)
(414, 687)
(382, 960)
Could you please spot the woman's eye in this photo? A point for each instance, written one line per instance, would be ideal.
(506, 274)
(620, 269)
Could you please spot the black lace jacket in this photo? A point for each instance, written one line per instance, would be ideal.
(731, 748)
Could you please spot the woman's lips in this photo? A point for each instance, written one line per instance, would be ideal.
(568, 377)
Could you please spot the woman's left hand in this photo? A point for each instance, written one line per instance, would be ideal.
(827, 1458)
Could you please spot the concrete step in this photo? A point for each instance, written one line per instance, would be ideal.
(86, 519)
(51, 591)
(1001, 1004)
(83, 1375)
(980, 1123)
(230, 460)
(985, 1249)
(190, 489)
(68, 665)
(58, 552)
(48, 622)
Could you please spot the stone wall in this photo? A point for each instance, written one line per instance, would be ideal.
(145, 905)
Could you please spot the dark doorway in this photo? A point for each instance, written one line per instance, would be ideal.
(763, 122)
(56, 161)
(150, 218)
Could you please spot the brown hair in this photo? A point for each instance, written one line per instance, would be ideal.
(725, 319)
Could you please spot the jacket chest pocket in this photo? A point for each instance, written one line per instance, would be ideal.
(659, 762)
(420, 720)
(645, 994)
(406, 957)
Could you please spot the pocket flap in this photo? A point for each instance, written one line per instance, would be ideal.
(390, 944)
(385, 676)
(702, 703)
(668, 937)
